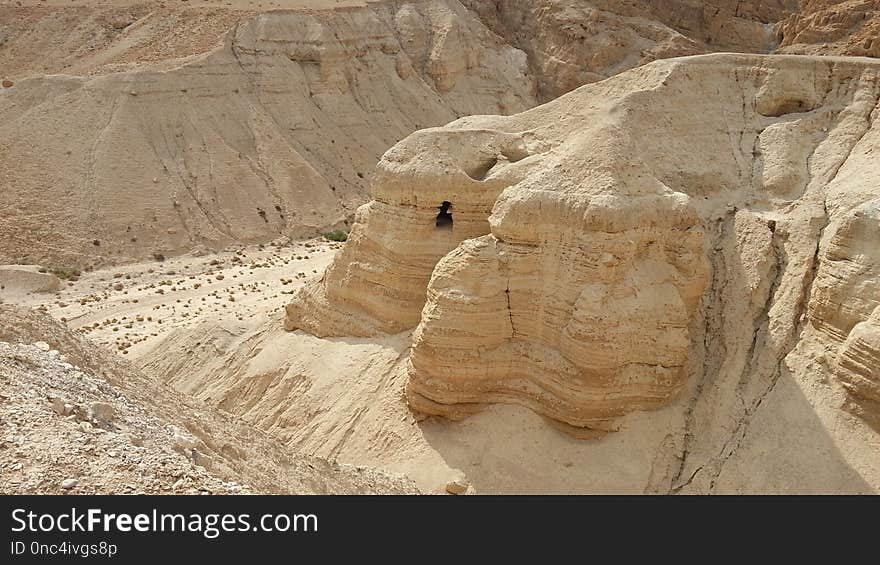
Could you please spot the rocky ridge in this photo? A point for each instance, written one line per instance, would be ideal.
(584, 282)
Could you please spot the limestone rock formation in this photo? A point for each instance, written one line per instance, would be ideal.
(399, 229)
(230, 122)
(650, 231)
(845, 305)
(858, 367)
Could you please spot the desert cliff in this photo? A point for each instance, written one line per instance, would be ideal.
(594, 265)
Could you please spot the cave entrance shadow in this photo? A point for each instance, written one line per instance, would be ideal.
(444, 218)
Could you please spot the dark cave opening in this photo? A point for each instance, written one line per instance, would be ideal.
(444, 218)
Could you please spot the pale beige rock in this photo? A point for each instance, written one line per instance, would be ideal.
(845, 305)
(847, 287)
(68, 484)
(17, 281)
(760, 406)
(185, 127)
(858, 367)
(593, 288)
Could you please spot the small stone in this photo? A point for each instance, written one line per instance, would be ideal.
(42, 346)
(7, 83)
(68, 484)
(457, 486)
(183, 441)
(101, 412)
(61, 407)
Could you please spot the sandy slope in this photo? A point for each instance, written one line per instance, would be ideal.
(77, 419)
(343, 398)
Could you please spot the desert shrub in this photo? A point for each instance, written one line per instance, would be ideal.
(66, 274)
(337, 235)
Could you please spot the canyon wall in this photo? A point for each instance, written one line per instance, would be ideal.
(273, 133)
(667, 226)
(216, 124)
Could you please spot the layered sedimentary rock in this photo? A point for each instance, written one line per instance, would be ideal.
(845, 304)
(858, 367)
(398, 231)
(656, 227)
(273, 133)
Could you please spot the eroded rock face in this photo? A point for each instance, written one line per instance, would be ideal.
(845, 305)
(838, 27)
(858, 367)
(659, 226)
(399, 229)
(176, 128)
(574, 42)
(273, 133)
(847, 290)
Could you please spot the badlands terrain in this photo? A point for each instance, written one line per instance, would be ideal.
(592, 247)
